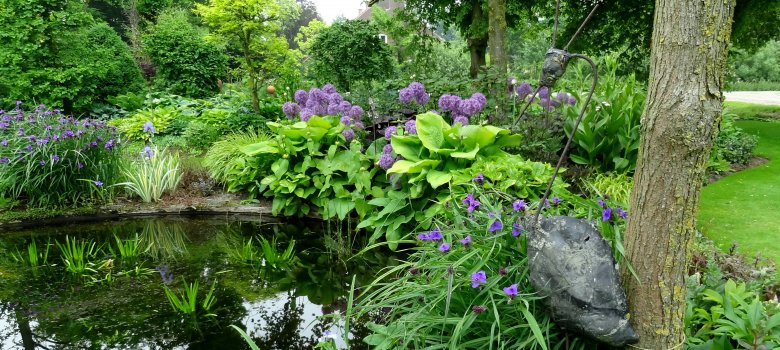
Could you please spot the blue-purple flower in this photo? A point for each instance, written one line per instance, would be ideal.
(329, 88)
(301, 96)
(449, 103)
(517, 229)
(478, 278)
(349, 135)
(386, 161)
(444, 247)
(518, 205)
(479, 179)
(555, 201)
(55, 158)
(606, 215)
(433, 235)
(389, 131)
(411, 127)
(148, 128)
(165, 274)
(147, 152)
(291, 109)
(466, 241)
(470, 202)
(622, 213)
(511, 291)
(495, 226)
(98, 183)
(601, 203)
(523, 90)
(463, 120)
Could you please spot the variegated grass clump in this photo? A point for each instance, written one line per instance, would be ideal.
(156, 173)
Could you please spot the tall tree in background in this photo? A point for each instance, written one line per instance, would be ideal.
(679, 125)
(291, 27)
(251, 26)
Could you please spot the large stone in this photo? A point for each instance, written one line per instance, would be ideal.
(573, 267)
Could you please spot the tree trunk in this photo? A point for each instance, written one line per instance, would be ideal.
(679, 125)
(498, 55)
(477, 42)
(250, 68)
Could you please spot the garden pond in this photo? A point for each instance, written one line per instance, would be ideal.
(124, 285)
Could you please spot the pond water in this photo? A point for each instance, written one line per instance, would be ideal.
(116, 298)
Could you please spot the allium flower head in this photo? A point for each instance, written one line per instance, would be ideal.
(301, 96)
(291, 109)
(334, 109)
(356, 112)
(544, 93)
(388, 148)
(478, 278)
(345, 108)
(405, 95)
(449, 103)
(389, 131)
(346, 120)
(518, 205)
(386, 161)
(329, 88)
(306, 114)
(495, 226)
(444, 247)
(463, 120)
(480, 98)
(523, 90)
(348, 134)
(470, 106)
(411, 127)
(335, 98)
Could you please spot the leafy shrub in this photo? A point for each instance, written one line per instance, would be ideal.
(119, 72)
(616, 186)
(154, 174)
(199, 136)
(134, 127)
(187, 64)
(732, 145)
(228, 164)
(49, 159)
(351, 51)
(608, 137)
(315, 168)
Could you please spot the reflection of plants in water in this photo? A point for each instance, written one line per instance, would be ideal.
(276, 259)
(282, 327)
(34, 258)
(186, 302)
(163, 240)
(261, 252)
(127, 250)
(76, 256)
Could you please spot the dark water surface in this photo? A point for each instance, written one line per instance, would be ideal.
(121, 304)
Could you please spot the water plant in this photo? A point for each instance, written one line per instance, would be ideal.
(128, 250)
(34, 258)
(162, 241)
(77, 255)
(186, 301)
(156, 173)
(277, 259)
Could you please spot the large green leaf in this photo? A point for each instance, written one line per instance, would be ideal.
(407, 167)
(408, 147)
(430, 130)
(437, 178)
(466, 155)
(279, 167)
(478, 136)
(264, 147)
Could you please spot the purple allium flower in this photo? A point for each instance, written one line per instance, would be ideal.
(335, 98)
(444, 247)
(411, 127)
(4, 160)
(291, 109)
(109, 144)
(42, 162)
(98, 183)
(147, 152)
(306, 114)
(329, 88)
(149, 128)
(388, 148)
(495, 226)
(471, 202)
(301, 96)
(4, 143)
(358, 125)
(601, 203)
(470, 107)
(548, 103)
(478, 309)
(356, 112)
(463, 120)
(405, 95)
(480, 98)
(544, 93)
(348, 134)
(479, 179)
(502, 271)
(517, 229)
(478, 278)
(345, 107)
(523, 90)
(346, 120)
(518, 205)
(389, 131)
(622, 213)
(555, 200)
(606, 215)
(55, 158)
(334, 109)
(449, 103)
(511, 291)
(572, 100)
(386, 161)
(466, 240)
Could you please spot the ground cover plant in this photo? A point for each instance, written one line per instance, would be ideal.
(48, 158)
(744, 199)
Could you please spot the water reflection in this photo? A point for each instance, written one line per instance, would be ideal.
(279, 308)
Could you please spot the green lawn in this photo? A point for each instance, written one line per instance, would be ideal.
(753, 111)
(745, 207)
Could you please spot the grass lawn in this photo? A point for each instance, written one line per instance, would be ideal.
(745, 207)
(752, 111)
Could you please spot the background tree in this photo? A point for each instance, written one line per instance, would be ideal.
(53, 52)
(251, 27)
(410, 40)
(679, 125)
(291, 27)
(351, 51)
(186, 63)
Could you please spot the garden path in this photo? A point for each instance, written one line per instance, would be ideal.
(743, 207)
(757, 97)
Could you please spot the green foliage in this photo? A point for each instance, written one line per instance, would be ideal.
(351, 51)
(34, 258)
(276, 259)
(187, 64)
(760, 66)
(48, 159)
(314, 168)
(238, 171)
(53, 52)
(186, 301)
(732, 144)
(608, 136)
(127, 250)
(77, 256)
(132, 127)
(199, 136)
(430, 299)
(615, 186)
(152, 176)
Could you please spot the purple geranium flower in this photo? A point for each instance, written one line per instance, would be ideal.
(478, 278)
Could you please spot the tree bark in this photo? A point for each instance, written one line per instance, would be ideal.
(250, 68)
(679, 125)
(477, 41)
(497, 47)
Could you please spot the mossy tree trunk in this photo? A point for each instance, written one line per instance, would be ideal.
(497, 47)
(250, 69)
(679, 125)
(477, 40)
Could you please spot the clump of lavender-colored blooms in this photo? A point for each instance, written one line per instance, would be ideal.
(545, 99)
(462, 109)
(415, 92)
(323, 102)
(386, 159)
